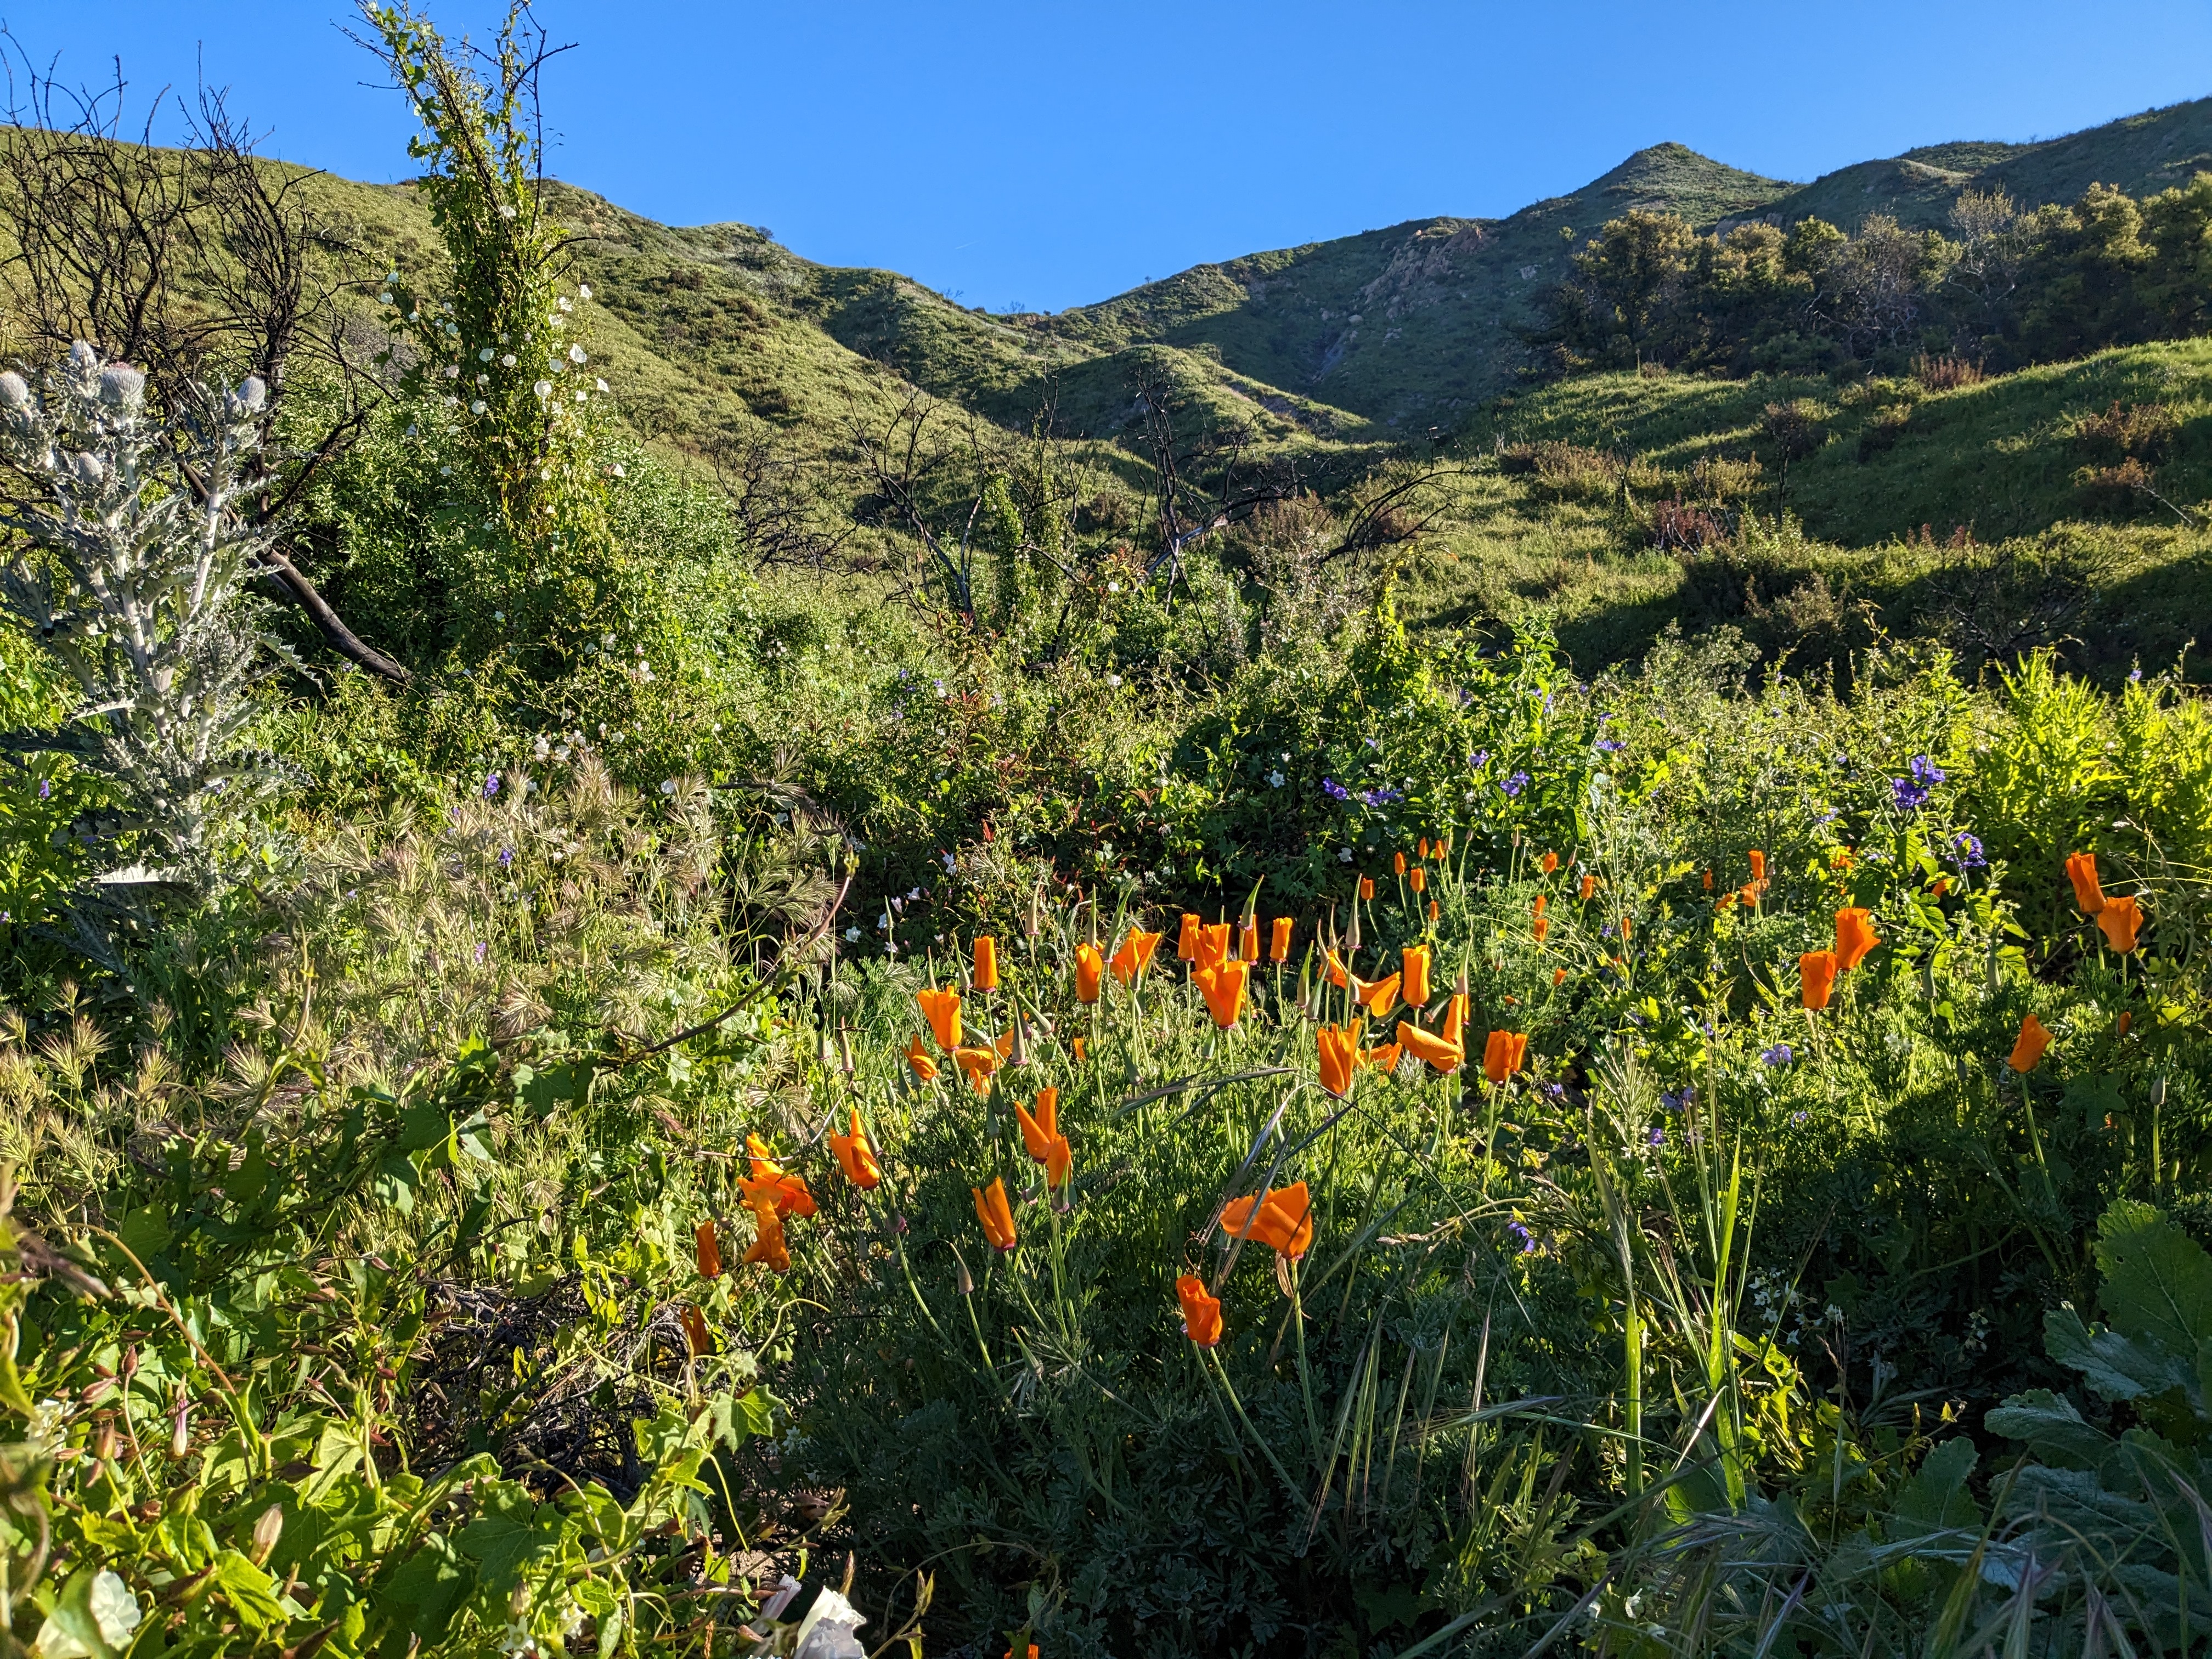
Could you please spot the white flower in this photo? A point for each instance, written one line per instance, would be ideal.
(453, 371)
(445, 471)
(852, 936)
(668, 786)
(386, 299)
(583, 290)
(617, 469)
(113, 1609)
(949, 864)
(1344, 855)
(483, 380)
(576, 355)
(1113, 587)
(506, 358)
(484, 356)
(477, 407)
(581, 395)
(1275, 779)
(499, 616)
(544, 388)
(507, 209)
(601, 385)
(1113, 680)
(607, 638)
(502, 339)
(564, 305)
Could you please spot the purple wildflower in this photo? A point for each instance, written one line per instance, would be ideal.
(1970, 850)
(1658, 1135)
(507, 858)
(1514, 785)
(1528, 1239)
(46, 787)
(490, 785)
(1610, 745)
(1334, 790)
(1779, 1054)
(480, 952)
(1479, 759)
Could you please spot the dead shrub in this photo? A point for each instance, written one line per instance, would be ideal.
(1680, 528)
(2121, 489)
(1947, 373)
(2142, 432)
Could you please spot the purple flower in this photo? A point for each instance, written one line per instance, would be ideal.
(1383, 797)
(1779, 1054)
(1658, 1135)
(1528, 1239)
(1970, 851)
(507, 858)
(1480, 758)
(1611, 745)
(1514, 785)
(1675, 1103)
(46, 787)
(1557, 1090)
(490, 785)
(480, 953)
(1799, 1117)
(1926, 771)
(1334, 790)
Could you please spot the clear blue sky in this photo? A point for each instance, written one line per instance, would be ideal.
(1051, 154)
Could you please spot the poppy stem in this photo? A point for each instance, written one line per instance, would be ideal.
(1268, 1451)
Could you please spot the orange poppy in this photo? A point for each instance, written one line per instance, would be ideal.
(1367, 887)
(855, 1156)
(1135, 954)
(1425, 847)
(942, 1010)
(1543, 903)
(1709, 881)
(1455, 1020)
(1378, 996)
(1040, 1128)
(1749, 893)
(1281, 1221)
(1433, 911)
(995, 1213)
(1383, 1057)
(2121, 919)
(1398, 863)
(2027, 1050)
(710, 1254)
(1548, 863)
(1338, 975)
(768, 1246)
(976, 1065)
(1223, 988)
(1187, 940)
(1058, 1159)
(1213, 946)
(1816, 975)
(1201, 1313)
(918, 1057)
(1339, 1057)
(2125, 1021)
(695, 1331)
(1089, 969)
(1589, 886)
(1855, 937)
(1558, 977)
(1430, 1048)
(1415, 969)
(1627, 926)
(1502, 1055)
(987, 962)
(788, 1192)
(1278, 942)
(1247, 939)
(1418, 880)
(1540, 927)
(1082, 1050)
(2081, 870)
(1758, 866)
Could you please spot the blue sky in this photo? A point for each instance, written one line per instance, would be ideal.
(1050, 154)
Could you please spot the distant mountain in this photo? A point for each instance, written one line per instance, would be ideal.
(1358, 340)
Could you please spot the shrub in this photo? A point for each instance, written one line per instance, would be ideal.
(1947, 373)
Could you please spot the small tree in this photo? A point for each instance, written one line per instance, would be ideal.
(138, 551)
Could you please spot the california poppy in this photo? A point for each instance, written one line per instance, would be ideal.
(1558, 977)
(1383, 1057)
(1282, 1220)
(1367, 887)
(1398, 863)
(768, 1246)
(1854, 937)
(918, 1057)
(710, 1252)
(1816, 977)
(1541, 926)
(1430, 1048)
(1418, 880)
(1548, 863)
(1278, 943)
(2081, 870)
(695, 1331)
(1089, 969)
(1213, 946)
(1415, 968)
(1589, 886)
(1187, 940)
(787, 1191)
(2126, 1019)
(995, 1213)
(1134, 953)
(1082, 1050)
(1749, 893)
(1340, 1056)
(2027, 1051)
(1709, 881)
(976, 1065)
(1201, 1313)
(942, 1010)
(1041, 1126)
(1223, 988)
(1338, 975)
(1378, 996)
(2121, 918)
(1455, 1020)
(1247, 940)
(1758, 866)
(1502, 1054)
(1425, 847)
(1058, 1159)
(855, 1156)
(1433, 911)
(987, 962)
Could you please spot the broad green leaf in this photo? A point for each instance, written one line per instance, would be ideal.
(2158, 1281)
(2050, 1425)
(2115, 1366)
(1936, 1499)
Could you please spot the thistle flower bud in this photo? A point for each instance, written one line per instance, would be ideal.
(122, 386)
(84, 359)
(14, 391)
(89, 468)
(251, 394)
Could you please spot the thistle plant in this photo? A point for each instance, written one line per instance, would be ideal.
(132, 575)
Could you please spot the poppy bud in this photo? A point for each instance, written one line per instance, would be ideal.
(266, 1531)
